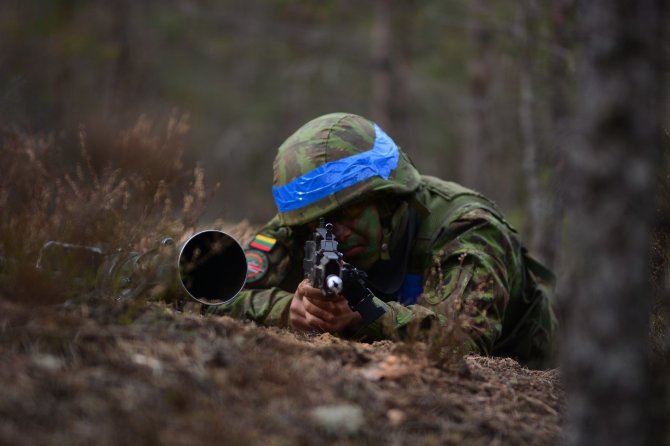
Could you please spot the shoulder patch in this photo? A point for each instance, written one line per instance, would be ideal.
(257, 265)
(263, 243)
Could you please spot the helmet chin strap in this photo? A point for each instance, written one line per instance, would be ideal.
(393, 220)
(386, 277)
(385, 249)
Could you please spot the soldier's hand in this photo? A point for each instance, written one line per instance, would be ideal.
(297, 315)
(311, 308)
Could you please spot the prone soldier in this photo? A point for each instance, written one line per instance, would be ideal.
(429, 248)
(409, 250)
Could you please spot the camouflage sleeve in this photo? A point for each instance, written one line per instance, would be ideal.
(268, 307)
(274, 271)
(477, 265)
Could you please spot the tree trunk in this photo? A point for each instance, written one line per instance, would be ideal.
(382, 75)
(478, 138)
(611, 182)
(118, 88)
(537, 200)
(561, 107)
(542, 132)
(392, 32)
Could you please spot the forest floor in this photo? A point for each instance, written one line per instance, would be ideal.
(120, 372)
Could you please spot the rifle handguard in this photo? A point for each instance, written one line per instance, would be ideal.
(324, 267)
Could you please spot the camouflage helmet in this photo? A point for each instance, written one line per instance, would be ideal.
(333, 160)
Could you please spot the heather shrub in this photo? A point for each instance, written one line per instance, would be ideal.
(125, 192)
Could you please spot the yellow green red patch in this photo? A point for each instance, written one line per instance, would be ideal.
(263, 243)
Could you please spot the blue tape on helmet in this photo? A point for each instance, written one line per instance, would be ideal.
(334, 176)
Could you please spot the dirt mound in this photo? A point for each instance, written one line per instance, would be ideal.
(143, 373)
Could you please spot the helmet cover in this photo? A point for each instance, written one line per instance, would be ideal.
(333, 160)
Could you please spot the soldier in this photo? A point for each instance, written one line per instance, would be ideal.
(435, 253)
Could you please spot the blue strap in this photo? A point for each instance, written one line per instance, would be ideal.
(411, 289)
(337, 175)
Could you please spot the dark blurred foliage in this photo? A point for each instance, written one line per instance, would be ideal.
(130, 204)
(251, 72)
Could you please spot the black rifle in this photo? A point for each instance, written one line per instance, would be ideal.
(325, 268)
(210, 267)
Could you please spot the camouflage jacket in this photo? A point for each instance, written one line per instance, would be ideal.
(460, 269)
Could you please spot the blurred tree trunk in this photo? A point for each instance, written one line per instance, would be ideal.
(541, 130)
(478, 138)
(117, 91)
(660, 317)
(611, 186)
(382, 68)
(62, 74)
(527, 35)
(561, 95)
(391, 56)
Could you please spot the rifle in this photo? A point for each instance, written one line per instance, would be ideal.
(326, 269)
(210, 267)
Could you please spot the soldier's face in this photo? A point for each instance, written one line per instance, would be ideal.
(358, 230)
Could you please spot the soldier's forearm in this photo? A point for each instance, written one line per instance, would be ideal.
(417, 322)
(397, 322)
(268, 307)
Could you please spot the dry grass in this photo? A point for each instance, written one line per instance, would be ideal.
(137, 371)
(79, 376)
(125, 192)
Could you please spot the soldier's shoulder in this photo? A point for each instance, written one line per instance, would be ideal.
(447, 189)
(450, 209)
(268, 254)
(443, 202)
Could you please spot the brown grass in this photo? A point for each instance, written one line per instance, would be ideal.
(133, 371)
(126, 192)
(137, 371)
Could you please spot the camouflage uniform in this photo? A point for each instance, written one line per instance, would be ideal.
(448, 255)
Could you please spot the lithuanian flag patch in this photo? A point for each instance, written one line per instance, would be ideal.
(263, 243)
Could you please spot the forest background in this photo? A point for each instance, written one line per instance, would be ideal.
(474, 92)
(180, 98)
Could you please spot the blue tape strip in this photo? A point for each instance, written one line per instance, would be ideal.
(332, 177)
(411, 289)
